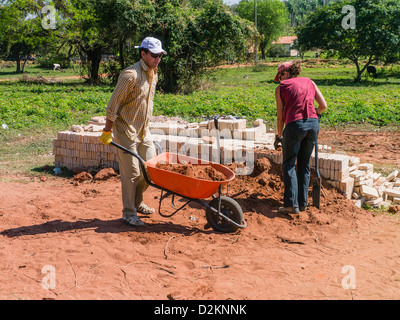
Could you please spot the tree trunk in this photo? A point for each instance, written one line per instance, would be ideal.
(18, 64)
(359, 72)
(23, 66)
(94, 57)
(121, 53)
(263, 53)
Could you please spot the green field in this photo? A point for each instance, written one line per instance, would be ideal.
(35, 112)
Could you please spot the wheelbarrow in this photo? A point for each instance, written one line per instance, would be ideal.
(223, 213)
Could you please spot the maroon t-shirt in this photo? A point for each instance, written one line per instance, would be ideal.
(298, 96)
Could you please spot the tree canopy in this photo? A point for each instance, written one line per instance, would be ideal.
(300, 9)
(376, 32)
(272, 18)
(21, 32)
(197, 34)
(197, 39)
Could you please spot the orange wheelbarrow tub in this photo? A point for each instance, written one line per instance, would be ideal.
(184, 185)
(223, 213)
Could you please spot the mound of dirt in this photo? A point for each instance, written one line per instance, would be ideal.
(262, 191)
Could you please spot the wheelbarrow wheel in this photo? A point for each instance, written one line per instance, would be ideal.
(229, 208)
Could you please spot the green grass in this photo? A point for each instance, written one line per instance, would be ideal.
(7, 72)
(26, 106)
(35, 112)
(249, 93)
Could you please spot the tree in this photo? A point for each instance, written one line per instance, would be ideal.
(196, 39)
(97, 27)
(376, 32)
(272, 17)
(197, 34)
(300, 9)
(21, 32)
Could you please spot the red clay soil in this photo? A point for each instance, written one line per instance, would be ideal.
(373, 147)
(74, 228)
(198, 171)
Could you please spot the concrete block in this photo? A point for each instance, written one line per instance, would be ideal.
(357, 173)
(381, 190)
(355, 195)
(374, 202)
(359, 202)
(325, 173)
(203, 125)
(353, 168)
(332, 174)
(393, 175)
(341, 162)
(252, 133)
(230, 124)
(260, 123)
(385, 204)
(380, 181)
(368, 191)
(342, 174)
(365, 182)
(376, 176)
(366, 166)
(190, 132)
(393, 192)
(346, 187)
(354, 161)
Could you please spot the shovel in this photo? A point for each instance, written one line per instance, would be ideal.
(218, 138)
(316, 189)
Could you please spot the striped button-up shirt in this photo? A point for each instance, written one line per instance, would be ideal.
(131, 104)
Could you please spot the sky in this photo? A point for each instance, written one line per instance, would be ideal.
(231, 1)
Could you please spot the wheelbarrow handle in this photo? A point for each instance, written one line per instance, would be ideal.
(141, 161)
(216, 122)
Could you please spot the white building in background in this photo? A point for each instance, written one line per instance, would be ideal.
(287, 43)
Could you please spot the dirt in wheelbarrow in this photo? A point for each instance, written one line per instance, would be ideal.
(198, 171)
(64, 239)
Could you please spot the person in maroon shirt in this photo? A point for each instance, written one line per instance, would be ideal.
(298, 127)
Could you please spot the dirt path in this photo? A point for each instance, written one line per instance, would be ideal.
(374, 147)
(75, 233)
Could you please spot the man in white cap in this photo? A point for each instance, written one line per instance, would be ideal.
(127, 117)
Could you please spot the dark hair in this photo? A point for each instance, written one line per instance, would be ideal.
(295, 69)
(145, 50)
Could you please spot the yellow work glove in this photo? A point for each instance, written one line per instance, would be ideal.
(106, 137)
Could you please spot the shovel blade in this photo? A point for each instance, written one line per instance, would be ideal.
(316, 193)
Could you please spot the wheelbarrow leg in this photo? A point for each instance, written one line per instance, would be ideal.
(162, 197)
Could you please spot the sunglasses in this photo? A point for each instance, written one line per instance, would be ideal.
(155, 56)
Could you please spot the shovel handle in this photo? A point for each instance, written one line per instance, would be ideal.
(218, 138)
(316, 159)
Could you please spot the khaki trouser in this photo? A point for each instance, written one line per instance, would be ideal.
(133, 183)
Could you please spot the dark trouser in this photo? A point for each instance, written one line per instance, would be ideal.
(299, 139)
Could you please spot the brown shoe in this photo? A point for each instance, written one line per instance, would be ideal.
(288, 210)
(145, 209)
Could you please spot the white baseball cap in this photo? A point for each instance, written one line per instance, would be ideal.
(152, 44)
